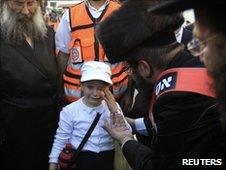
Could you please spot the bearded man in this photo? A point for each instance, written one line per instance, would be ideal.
(29, 86)
(209, 41)
(183, 119)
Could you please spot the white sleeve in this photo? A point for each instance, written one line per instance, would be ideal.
(63, 134)
(63, 34)
(140, 126)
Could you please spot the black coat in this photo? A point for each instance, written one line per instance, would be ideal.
(29, 103)
(186, 36)
(188, 127)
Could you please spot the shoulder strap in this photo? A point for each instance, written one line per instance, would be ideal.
(88, 133)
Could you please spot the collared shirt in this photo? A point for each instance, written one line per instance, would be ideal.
(140, 126)
(63, 33)
(75, 120)
(179, 35)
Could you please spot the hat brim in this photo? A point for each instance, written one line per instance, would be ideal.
(168, 7)
(138, 28)
(98, 77)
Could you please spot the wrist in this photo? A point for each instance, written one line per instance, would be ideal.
(125, 139)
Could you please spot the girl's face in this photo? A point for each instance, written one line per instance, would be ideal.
(94, 92)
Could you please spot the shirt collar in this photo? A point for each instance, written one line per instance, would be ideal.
(100, 9)
(88, 109)
(179, 34)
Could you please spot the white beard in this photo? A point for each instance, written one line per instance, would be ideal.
(15, 27)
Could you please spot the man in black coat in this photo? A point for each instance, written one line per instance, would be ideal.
(183, 117)
(29, 86)
(210, 30)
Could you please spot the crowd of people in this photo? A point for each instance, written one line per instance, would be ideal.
(56, 80)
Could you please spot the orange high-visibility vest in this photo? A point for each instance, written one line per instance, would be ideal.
(85, 47)
(193, 80)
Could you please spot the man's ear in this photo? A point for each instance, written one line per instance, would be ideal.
(144, 68)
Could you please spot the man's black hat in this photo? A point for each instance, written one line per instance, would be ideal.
(171, 6)
(131, 26)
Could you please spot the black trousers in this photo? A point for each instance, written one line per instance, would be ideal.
(96, 161)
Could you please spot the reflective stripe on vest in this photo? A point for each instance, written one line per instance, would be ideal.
(84, 47)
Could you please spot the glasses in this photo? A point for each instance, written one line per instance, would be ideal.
(19, 5)
(197, 47)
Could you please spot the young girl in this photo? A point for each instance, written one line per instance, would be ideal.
(76, 118)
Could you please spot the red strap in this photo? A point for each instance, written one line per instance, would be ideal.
(194, 80)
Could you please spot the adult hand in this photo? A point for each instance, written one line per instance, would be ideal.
(118, 129)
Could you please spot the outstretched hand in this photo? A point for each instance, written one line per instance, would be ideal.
(118, 129)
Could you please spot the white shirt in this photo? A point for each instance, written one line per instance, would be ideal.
(63, 33)
(140, 126)
(179, 35)
(75, 120)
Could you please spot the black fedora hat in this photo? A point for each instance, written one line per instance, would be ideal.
(171, 6)
(131, 26)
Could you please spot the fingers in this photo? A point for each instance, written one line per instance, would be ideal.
(119, 130)
(117, 123)
(120, 123)
(112, 119)
(107, 127)
(109, 95)
(102, 94)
